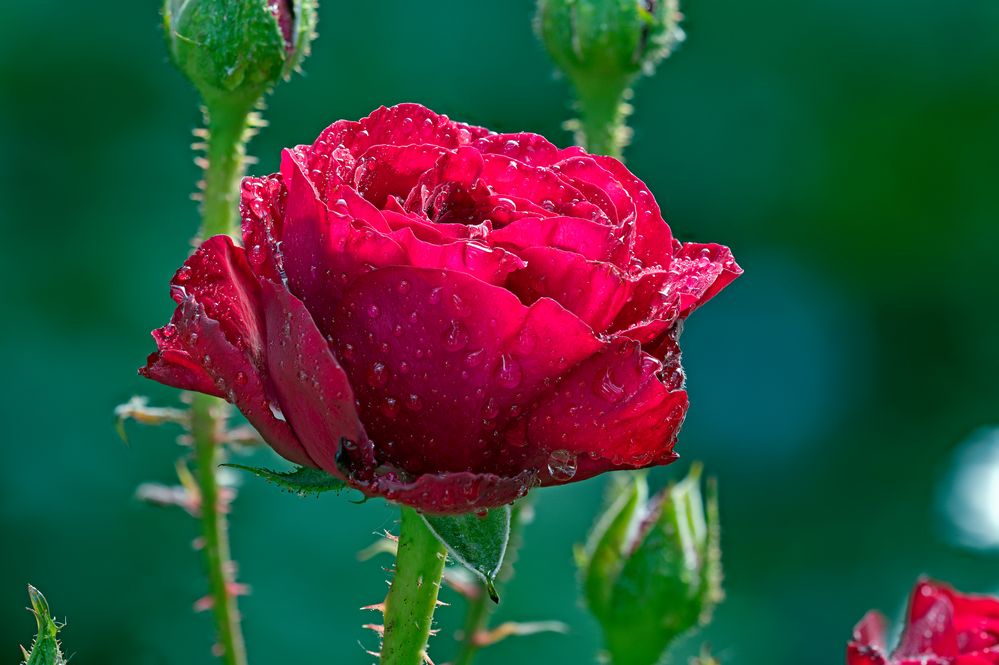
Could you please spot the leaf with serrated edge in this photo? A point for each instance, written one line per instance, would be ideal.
(300, 480)
(478, 543)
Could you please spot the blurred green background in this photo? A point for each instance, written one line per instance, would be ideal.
(848, 151)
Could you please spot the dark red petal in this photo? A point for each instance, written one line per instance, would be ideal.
(261, 207)
(592, 290)
(585, 169)
(531, 149)
(314, 394)
(612, 411)
(404, 124)
(872, 631)
(589, 239)
(445, 367)
(451, 493)
(930, 629)
(214, 343)
(391, 170)
(697, 273)
(323, 250)
(489, 264)
(652, 238)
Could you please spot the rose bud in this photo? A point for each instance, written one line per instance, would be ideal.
(238, 47)
(602, 46)
(943, 627)
(651, 569)
(445, 316)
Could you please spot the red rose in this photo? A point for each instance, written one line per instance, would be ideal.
(944, 627)
(445, 316)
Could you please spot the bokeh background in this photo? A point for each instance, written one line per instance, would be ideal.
(848, 151)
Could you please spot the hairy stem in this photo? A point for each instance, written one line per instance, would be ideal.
(207, 426)
(227, 132)
(601, 128)
(480, 608)
(409, 607)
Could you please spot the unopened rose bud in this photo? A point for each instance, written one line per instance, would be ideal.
(651, 570)
(602, 46)
(238, 49)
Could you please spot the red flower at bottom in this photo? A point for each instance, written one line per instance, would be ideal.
(943, 627)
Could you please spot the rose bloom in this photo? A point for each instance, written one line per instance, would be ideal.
(944, 627)
(442, 315)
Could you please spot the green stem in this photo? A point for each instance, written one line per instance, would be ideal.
(226, 152)
(207, 426)
(602, 130)
(227, 133)
(409, 607)
(480, 608)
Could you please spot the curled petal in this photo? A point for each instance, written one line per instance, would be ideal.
(591, 240)
(451, 493)
(592, 290)
(612, 411)
(313, 392)
(222, 356)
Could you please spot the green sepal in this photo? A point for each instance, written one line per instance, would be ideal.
(306, 19)
(477, 542)
(602, 558)
(302, 480)
(652, 567)
(45, 649)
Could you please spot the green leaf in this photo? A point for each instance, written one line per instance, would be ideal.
(301, 480)
(476, 542)
(45, 649)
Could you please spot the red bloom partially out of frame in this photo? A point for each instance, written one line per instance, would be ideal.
(445, 316)
(944, 627)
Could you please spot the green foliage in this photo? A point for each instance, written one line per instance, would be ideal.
(477, 542)
(651, 570)
(45, 649)
(233, 50)
(301, 480)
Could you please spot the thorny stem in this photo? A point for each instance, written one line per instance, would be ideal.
(601, 128)
(226, 152)
(409, 607)
(207, 428)
(480, 608)
(228, 125)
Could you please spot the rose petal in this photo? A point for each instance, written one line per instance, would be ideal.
(421, 346)
(314, 394)
(589, 239)
(452, 493)
(612, 411)
(592, 290)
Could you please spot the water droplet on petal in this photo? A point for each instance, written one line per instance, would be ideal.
(405, 287)
(378, 375)
(390, 407)
(184, 274)
(373, 311)
(562, 465)
(413, 402)
(169, 331)
(606, 387)
(277, 412)
(475, 358)
(456, 337)
(509, 373)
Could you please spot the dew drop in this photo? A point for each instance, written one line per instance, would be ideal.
(475, 358)
(404, 287)
(413, 402)
(183, 274)
(169, 331)
(562, 465)
(378, 375)
(509, 373)
(277, 412)
(606, 387)
(373, 311)
(456, 337)
(390, 407)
